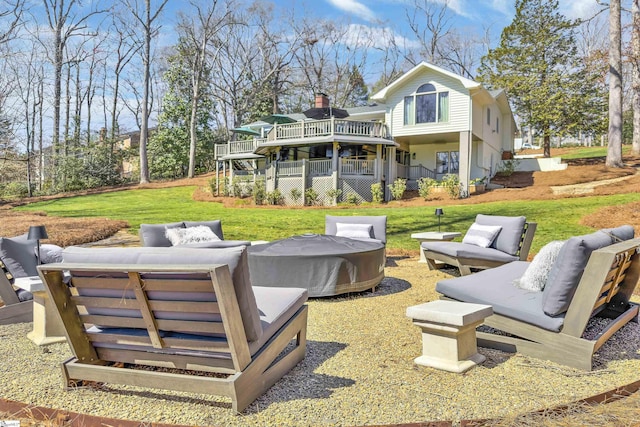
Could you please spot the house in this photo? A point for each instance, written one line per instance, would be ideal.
(427, 123)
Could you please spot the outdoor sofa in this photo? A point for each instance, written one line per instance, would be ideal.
(511, 242)
(156, 235)
(192, 311)
(592, 275)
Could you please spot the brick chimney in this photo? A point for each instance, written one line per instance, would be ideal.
(322, 100)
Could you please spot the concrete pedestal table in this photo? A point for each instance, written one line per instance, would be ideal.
(47, 327)
(449, 333)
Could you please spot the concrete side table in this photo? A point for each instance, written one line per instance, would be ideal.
(47, 327)
(431, 236)
(449, 333)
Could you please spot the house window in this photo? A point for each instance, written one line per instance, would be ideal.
(447, 162)
(426, 106)
(489, 116)
(497, 125)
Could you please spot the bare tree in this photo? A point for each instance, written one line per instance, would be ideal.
(431, 24)
(198, 32)
(124, 49)
(635, 62)
(12, 11)
(614, 151)
(65, 24)
(327, 55)
(146, 18)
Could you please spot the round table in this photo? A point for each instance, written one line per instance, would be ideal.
(324, 265)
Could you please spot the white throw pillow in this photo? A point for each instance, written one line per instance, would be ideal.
(535, 276)
(481, 235)
(354, 231)
(184, 236)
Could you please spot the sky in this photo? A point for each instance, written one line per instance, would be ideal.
(478, 14)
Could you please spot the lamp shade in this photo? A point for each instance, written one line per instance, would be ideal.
(439, 212)
(37, 232)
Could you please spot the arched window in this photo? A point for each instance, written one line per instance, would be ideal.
(427, 105)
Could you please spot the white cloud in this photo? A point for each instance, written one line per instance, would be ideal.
(575, 9)
(503, 6)
(360, 36)
(356, 8)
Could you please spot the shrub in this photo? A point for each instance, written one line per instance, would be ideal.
(275, 197)
(398, 188)
(451, 184)
(296, 194)
(508, 167)
(352, 199)
(377, 195)
(425, 185)
(259, 192)
(334, 194)
(311, 197)
(236, 184)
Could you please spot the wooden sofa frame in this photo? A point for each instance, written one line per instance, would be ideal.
(13, 310)
(239, 375)
(609, 279)
(465, 264)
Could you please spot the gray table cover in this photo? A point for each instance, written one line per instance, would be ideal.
(325, 265)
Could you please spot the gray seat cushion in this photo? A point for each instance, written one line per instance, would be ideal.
(154, 234)
(508, 239)
(18, 254)
(235, 258)
(379, 224)
(495, 287)
(276, 306)
(465, 250)
(567, 270)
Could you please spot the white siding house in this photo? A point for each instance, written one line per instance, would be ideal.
(428, 123)
(467, 137)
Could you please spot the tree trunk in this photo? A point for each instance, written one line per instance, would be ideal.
(144, 129)
(635, 45)
(614, 151)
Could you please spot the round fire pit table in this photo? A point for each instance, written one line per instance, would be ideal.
(325, 265)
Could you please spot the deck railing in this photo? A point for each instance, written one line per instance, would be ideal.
(414, 172)
(319, 167)
(290, 168)
(238, 147)
(333, 126)
(357, 167)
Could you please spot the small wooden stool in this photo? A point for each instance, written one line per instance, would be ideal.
(449, 333)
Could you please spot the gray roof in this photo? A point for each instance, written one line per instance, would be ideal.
(371, 108)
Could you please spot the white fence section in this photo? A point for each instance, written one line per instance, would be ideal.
(290, 168)
(357, 167)
(319, 167)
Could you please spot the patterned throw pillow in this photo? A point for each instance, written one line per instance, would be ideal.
(536, 275)
(481, 235)
(185, 236)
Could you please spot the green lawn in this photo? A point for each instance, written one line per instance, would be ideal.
(590, 152)
(557, 219)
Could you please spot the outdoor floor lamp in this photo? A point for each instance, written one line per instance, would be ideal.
(439, 213)
(37, 232)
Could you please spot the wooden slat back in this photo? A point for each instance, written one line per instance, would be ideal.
(611, 271)
(166, 305)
